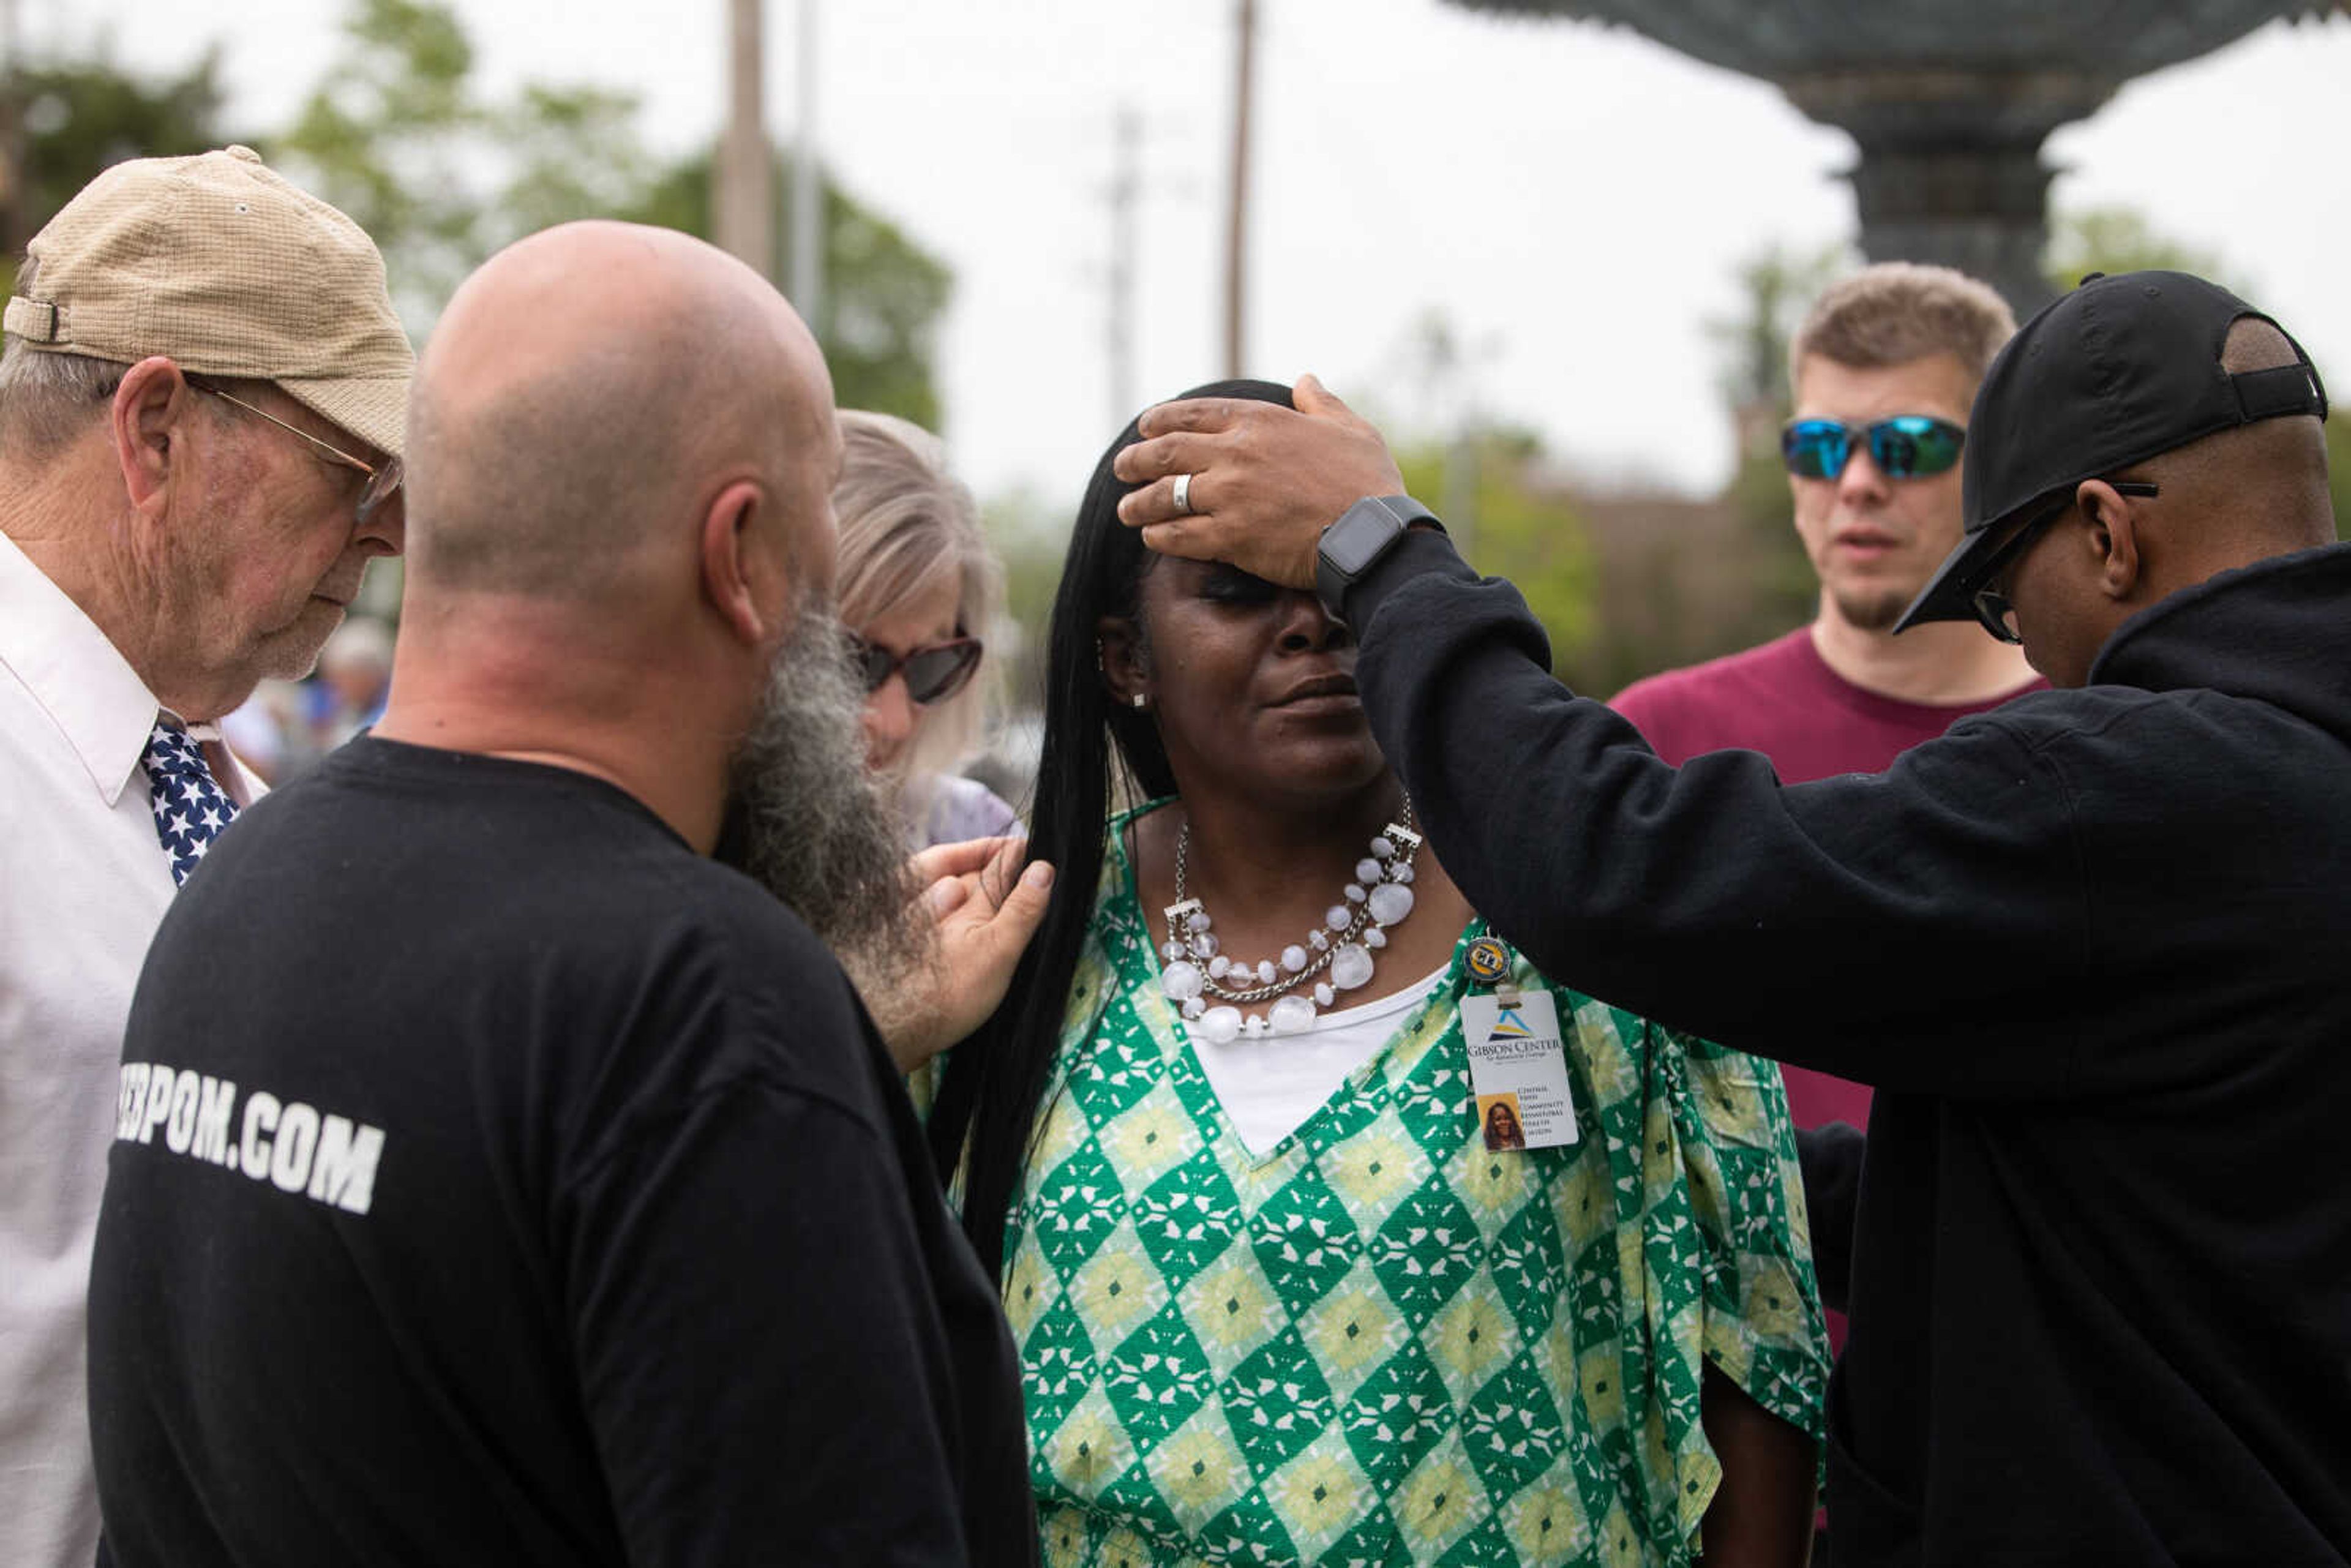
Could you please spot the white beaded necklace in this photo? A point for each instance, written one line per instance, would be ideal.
(1352, 930)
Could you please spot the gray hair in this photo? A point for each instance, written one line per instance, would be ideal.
(47, 398)
(906, 523)
(807, 821)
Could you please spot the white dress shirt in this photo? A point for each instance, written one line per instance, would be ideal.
(83, 885)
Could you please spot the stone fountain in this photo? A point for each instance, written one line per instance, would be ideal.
(1949, 102)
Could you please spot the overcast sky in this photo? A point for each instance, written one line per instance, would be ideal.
(1574, 200)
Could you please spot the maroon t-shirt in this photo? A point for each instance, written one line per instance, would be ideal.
(1782, 699)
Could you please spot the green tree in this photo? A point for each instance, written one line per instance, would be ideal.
(1777, 284)
(392, 135)
(880, 324)
(1522, 525)
(2121, 239)
(78, 118)
(1786, 590)
(577, 153)
(397, 134)
(1030, 536)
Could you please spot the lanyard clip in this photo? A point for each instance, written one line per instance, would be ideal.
(1489, 965)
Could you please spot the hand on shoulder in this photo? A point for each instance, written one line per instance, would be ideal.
(984, 908)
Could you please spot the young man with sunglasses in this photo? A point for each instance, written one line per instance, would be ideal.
(2089, 946)
(201, 422)
(1883, 367)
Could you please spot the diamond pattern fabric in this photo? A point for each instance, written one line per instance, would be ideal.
(1379, 1343)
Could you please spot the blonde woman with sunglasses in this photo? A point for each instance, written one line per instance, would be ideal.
(918, 587)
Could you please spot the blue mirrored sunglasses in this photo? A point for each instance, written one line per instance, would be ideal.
(1906, 447)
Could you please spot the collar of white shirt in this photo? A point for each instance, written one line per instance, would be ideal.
(81, 680)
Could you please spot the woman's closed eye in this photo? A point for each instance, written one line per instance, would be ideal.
(1229, 585)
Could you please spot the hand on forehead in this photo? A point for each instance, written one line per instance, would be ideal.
(1260, 481)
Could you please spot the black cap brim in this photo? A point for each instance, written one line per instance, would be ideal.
(1950, 595)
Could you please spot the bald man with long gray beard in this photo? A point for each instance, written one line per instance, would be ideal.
(498, 1179)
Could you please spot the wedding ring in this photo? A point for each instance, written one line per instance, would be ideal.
(1183, 495)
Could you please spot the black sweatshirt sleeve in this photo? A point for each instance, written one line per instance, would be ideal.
(1916, 930)
(1831, 1158)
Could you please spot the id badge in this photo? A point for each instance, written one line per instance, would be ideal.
(1518, 1070)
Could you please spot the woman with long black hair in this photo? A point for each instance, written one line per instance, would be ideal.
(1277, 1301)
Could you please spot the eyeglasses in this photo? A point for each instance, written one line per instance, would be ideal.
(1906, 447)
(381, 482)
(1989, 599)
(932, 674)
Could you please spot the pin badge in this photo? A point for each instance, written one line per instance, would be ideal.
(1489, 960)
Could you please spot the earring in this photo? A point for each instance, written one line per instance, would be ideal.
(1138, 700)
(1098, 657)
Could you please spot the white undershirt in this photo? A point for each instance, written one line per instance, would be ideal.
(1270, 1085)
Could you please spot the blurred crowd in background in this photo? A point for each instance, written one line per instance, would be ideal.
(286, 725)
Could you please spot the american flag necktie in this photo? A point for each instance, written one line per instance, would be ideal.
(191, 808)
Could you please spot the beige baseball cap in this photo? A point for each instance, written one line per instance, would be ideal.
(218, 263)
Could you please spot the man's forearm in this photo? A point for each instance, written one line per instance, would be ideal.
(1795, 922)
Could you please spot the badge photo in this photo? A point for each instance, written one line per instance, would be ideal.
(1498, 1116)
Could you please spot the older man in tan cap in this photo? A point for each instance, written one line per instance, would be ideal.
(200, 409)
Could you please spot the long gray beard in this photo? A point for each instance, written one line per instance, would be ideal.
(808, 822)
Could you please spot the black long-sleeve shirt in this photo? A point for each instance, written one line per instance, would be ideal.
(2088, 948)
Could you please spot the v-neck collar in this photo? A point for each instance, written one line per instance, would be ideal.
(1166, 1023)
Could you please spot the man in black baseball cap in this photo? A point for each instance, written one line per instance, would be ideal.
(2089, 401)
(2087, 946)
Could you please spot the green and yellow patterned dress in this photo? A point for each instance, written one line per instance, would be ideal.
(1379, 1343)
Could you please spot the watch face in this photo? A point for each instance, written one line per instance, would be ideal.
(1357, 539)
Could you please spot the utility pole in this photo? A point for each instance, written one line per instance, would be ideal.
(1125, 196)
(808, 187)
(15, 220)
(744, 201)
(1447, 364)
(1237, 219)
